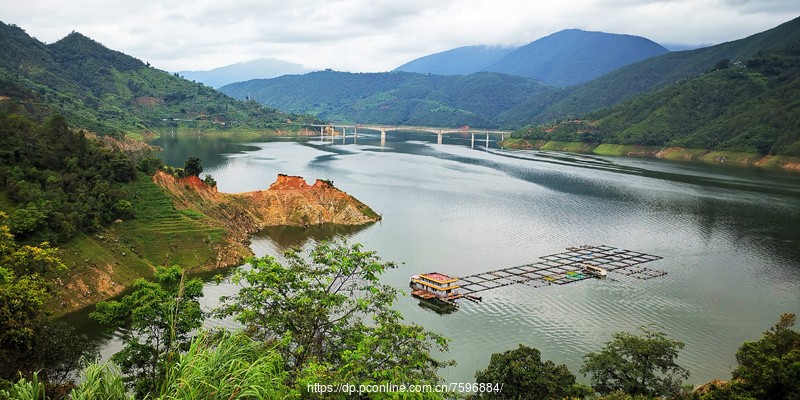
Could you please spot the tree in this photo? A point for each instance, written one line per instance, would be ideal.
(29, 340)
(192, 166)
(317, 308)
(159, 318)
(523, 375)
(641, 364)
(770, 368)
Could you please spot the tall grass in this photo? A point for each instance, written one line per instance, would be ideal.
(101, 381)
(222, 366)
(233, 367)
(25, 389)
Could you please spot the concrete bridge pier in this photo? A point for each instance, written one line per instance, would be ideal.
(383, 137)
(440, 137)
(472, 146)
(487, 140)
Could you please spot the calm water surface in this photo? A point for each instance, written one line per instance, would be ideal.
(729, 237)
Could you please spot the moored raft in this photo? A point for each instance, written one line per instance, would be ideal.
(576, 264)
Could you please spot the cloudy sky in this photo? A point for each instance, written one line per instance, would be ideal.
(372, 35)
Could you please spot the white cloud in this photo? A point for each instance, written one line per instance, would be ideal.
(372, 35)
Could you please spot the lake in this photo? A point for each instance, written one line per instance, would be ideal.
(729, 237)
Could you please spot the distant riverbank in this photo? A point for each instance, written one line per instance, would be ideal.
(669, 153)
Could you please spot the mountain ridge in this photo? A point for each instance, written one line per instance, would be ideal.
(261, 68)
(572, 56)
(110, 93)
(464, 60)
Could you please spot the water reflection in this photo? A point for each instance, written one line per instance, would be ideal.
(288, 237)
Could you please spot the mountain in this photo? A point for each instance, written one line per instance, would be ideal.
(397, 98)
(645, 76)
(262, 68)
(574, 56)
(491, 100)
(748, 107)
(110, 93)
(459, 61)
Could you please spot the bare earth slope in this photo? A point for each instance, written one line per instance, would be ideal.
(288, 201)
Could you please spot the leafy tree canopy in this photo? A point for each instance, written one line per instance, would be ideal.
(770, 367)
(641, 364)
(523, 375)
(192, 166)
(318, 307)
(29, 341)
(160, 318)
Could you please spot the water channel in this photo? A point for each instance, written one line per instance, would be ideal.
(729, 237)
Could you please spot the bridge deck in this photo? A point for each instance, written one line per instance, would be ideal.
(562, 268)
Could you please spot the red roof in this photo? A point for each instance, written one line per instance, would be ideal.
(438, 277)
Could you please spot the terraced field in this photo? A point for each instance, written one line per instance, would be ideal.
(128, 250)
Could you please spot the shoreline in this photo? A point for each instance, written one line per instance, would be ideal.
(781, 163)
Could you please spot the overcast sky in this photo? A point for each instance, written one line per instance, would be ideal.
(372, 35)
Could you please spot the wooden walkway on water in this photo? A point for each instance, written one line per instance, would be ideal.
(573, 265)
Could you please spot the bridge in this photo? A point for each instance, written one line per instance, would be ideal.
(432, 129)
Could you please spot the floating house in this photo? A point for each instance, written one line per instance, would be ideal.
(435, 285)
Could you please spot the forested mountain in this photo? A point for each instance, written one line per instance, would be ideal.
(108, 92)
(564, 58)
(751, 107)
(646, 75)
(574, 56)
(459, 61)
(263, 68)
(393, 98)
(491, 100)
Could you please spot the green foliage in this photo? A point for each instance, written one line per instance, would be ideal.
(721, 391)
(228, 367)
(318, 307)
(101, 381)
(641, 364)
(24, 389)
(29, 341)
(192, 166)
(769, 369)
(159, 318)
(209, 180)
(62, 182)
(215, 366)
(149, 165)
(523, 375)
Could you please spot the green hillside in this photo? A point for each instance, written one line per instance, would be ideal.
(110, 93)
(490, 100)
(643, 76)
(749, 107)
(402, 98)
